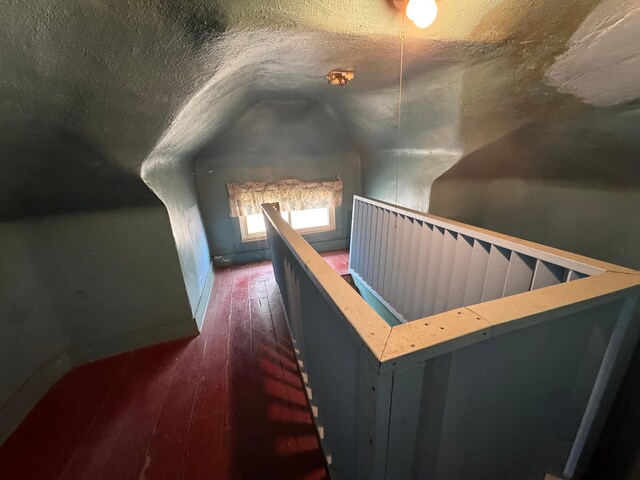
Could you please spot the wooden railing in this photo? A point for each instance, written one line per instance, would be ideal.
(419, 265)
(500, 384)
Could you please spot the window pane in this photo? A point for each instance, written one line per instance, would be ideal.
(318, 217)
(255, 224)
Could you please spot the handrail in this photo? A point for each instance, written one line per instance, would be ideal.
(368, 382)
(363, 319)
(435, 335)
(500, 239)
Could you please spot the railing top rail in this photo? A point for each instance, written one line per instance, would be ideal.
(435, 335)
(429, 337)
(553, 255)
(362, 318)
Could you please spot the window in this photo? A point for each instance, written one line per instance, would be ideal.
(307, 205)
(315, 220)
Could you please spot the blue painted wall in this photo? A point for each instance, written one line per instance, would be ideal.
(271, 141)
(78, 287)
(174, 183)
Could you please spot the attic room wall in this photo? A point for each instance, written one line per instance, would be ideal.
(427, 144)
(571, 184)
(77, 287)
(88, 260)
(175, 183)
(271, 141)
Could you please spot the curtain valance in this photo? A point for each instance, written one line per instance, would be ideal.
(246, 198)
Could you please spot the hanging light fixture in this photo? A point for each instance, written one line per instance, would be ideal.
(421, 12)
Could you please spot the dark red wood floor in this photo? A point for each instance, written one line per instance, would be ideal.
(228, 404)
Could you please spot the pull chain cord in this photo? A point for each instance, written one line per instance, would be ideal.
(400, 106)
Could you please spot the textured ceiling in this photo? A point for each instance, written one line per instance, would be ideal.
(92, 90)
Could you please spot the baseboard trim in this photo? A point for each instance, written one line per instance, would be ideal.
(20, 403)
(260, 255)
(205, 297)
(16, 407)
(129, 341)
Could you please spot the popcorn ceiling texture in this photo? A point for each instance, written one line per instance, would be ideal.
(92, 90)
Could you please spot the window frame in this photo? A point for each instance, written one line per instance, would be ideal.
(256, 237)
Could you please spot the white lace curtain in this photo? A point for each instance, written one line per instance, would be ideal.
(246, 198)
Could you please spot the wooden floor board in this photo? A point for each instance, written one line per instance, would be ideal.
(145, 407)
(166, 449)
(90, 456)
(42, 445)
(228, 404)
(204, 451)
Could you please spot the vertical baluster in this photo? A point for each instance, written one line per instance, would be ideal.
(520, 274)
(375, 275)
(573, 275)
(405, 251)
(460, 273)
(396, 279)
(367, 243)
(412, 270)
(477, 272)
(547, 274)
(354, 248)
(372, 245)
(389, 265)
(359, 243)
(445, 271)
(496, 273)
(422, 263)
(435, 257)
(384, 239)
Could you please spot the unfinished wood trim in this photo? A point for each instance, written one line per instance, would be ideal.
(435, 335)
(432, 336)
(474, 323)
(566, 259)
(526, 309)
(364, 320)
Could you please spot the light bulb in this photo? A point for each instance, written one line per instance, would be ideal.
(422, 12)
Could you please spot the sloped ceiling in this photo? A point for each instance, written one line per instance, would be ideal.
(94, 92)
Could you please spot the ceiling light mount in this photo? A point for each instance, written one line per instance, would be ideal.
(340, 77)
